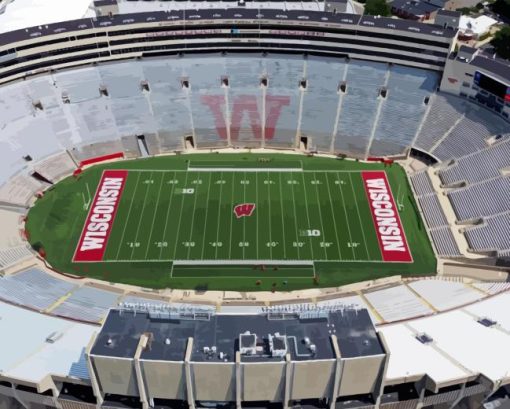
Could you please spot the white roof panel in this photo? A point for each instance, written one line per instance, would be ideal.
(409, 357)
(25, 352)
(478, 348)
(20, 14)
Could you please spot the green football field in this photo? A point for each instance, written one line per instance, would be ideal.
(231, 221)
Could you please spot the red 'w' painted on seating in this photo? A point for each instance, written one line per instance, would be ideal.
(388, 227)
(97, 228)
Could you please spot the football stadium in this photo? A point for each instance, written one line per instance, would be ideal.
(249, 204)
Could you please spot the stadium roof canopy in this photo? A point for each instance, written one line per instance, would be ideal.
(463, 343)
(34, 345)
(20, 14)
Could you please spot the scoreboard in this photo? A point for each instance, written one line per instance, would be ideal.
(493, 86)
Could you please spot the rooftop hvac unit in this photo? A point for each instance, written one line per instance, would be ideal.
(54, 337)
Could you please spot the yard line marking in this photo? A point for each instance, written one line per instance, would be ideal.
(193, 216)
(283, 218)
(219, 219)
(180, 219)
(167, 214)
(127, 218)
(320, 215)
(334, 218)
(154, 218)
(345, 211)
(256, 218)
(206, 211)
(359, 217)
(141, 217)
(231, 217)
(269, 204)
(307, 213)
(295, 217)
(244, 218)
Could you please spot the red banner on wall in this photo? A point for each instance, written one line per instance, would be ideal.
(390, 234)
(98, 226)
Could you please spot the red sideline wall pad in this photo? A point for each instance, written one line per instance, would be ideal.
(390, 234)
(97, 228)
(99, 159)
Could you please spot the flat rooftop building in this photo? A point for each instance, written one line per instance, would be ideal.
(164, 353)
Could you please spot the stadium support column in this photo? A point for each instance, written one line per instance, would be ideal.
(93, 377)
(238, 380)
(338, 110)
(187, 368)
(138, 371)
(338, 372)
(380, 384)
(263, 119)
(302, 90)
(288, 378)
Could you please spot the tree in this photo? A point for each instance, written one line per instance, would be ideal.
(377, 8)
(501, 42)
(502, 7)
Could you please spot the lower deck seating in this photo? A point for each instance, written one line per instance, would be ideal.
(87, 304)
(421, 183)
(445, 243)
(13, 255)
(494, 234)
(33, 288)
(482, 199)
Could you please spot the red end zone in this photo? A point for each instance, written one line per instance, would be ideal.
(97, 228)
(390, 234)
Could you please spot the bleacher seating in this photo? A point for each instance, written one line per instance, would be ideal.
(481, 165)
(494, 234)
(433, 211)
(445, 243)
(397, 303)
(481, 199)
(445, 111)
(56, 167)
(443, 295)
(87, 304)
(20, 189)
(33, 288)
(359, 105)
(471, 133)
(404, 105)
(421, 183)
(12, 255)
(493, 288)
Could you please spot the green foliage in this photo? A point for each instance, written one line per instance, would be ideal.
(377, 8)
(502, 7)
(501, 42)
